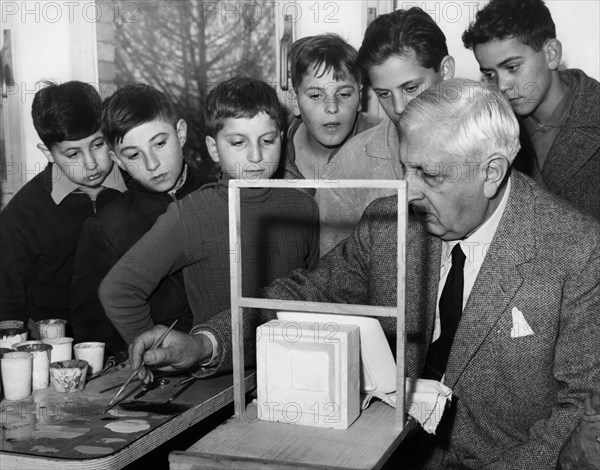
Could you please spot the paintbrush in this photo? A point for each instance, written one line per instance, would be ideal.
(133, 374)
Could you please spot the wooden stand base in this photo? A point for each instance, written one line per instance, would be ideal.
(250, 443)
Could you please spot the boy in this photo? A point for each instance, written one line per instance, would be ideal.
(403, 53)
(515, 43)
(326, 103)
(40, 226)
(146, 140)
(279, 226)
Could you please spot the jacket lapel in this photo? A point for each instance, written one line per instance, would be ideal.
(499, 278)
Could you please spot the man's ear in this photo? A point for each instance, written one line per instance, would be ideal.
(211, 145)
(294, 98)
(495, 170)
(447, 67)
(47, 153)
(553, 51)
(113, 157)
(181, 128)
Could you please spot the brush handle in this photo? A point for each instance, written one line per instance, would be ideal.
(180, 391)
(133, 374)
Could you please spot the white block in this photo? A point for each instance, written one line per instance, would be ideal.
(308, 373)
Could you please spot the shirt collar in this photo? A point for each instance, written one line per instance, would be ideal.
(180, 181)
(62, 186)
(482, 237)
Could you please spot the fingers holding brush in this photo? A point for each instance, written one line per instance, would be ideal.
(178, 351)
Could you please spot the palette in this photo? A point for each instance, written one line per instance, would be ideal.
(58, 430)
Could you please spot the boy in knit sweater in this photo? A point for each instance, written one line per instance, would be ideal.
(279, 226)
(40, 226)
(146, 140)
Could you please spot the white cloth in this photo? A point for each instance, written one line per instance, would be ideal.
(425, 401)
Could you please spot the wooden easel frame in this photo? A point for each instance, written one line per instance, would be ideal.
(238, 302)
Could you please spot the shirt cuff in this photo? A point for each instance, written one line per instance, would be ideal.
(216, 353)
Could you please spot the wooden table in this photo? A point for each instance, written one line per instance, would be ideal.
(52, 430)
(254, 444)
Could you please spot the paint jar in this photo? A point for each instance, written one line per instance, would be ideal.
(68, 376)
(41, 363)
(25, 343)
(11, 324)
(3, 351)
(10, 336)
(62, 349)
(51, 329)
(93, 353)
(16, 369)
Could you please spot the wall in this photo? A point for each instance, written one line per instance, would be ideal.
(51, 41)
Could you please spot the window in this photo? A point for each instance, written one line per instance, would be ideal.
(184, 47)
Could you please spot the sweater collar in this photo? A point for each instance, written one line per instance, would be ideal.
(247, 194)
(185, 185)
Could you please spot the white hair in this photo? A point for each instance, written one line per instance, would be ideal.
(475, 118)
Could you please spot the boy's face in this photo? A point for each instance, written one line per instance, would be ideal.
(247, 148)
(328, 107)
(400, 79)
(85, 162)
(520, 72)
(152, 153)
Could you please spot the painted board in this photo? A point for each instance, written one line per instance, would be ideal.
(60, 429)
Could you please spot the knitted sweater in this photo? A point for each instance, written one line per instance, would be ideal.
(279, 233)
(37, 241)
(106, 237)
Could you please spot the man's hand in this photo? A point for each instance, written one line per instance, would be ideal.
(179, 351)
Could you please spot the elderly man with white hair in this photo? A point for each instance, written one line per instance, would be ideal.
(503, 287)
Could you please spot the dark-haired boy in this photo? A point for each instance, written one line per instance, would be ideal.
(146, 140)
(515, 43)
(326, 103)
(40, 226)
(402, 54)
(279, 226)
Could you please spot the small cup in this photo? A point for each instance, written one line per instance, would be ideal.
(41, 363)
(93, 353)
(10, 336)
(51, 329)
(68, 376)
(3, 351)
(6, 324)
(16, 369)
(62, 349)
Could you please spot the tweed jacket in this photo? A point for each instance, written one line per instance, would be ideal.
(572, 168)
(517, 398)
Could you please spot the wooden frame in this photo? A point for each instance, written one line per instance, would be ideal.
(238, 302)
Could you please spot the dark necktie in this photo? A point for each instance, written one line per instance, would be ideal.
(450, 312)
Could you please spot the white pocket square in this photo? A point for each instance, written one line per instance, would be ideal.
(520, 326)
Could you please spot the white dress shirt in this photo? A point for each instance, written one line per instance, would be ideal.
(475, 248)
